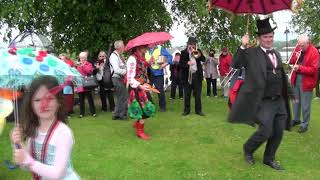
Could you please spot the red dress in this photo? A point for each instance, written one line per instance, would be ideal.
(137, 75)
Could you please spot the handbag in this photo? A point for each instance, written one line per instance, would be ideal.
(99, 74)
(90, 82)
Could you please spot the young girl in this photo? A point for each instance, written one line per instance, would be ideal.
(49, 141)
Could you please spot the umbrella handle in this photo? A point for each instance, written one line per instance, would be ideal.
(9, 164)
(248, 22)
(254, 43)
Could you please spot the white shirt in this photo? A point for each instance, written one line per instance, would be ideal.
(193, 66)
(117, 65)
(58, 158)
(131, 67)
(272, 57)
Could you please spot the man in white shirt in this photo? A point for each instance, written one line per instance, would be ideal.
(119, 71)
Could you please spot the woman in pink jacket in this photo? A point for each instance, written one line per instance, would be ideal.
(85, 68)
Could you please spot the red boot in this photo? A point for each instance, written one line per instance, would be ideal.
(135, 124)
(140, 131)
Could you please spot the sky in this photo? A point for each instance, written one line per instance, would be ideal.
(282, 19)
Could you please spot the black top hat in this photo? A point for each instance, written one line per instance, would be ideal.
(192, 40)
(264, 27)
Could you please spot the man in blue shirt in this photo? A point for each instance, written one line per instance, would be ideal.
(161, 58)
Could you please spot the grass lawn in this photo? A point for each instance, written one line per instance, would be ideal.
(181, 148)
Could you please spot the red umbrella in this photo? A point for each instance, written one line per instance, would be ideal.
(148, 38)
(252, 6)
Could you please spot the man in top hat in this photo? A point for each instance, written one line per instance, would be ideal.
(263, 98)
(191, 75)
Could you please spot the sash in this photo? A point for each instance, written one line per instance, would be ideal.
(44, 149)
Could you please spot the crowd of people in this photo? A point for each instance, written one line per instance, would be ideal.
(114, 91)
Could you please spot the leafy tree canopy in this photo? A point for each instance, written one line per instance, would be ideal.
(214, 29)
(306, 20)
(85, 24)
(93, 24)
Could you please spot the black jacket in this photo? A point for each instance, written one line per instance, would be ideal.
(175, 67)
(184, 67)
(250, 95)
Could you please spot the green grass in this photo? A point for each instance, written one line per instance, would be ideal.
(182, 148)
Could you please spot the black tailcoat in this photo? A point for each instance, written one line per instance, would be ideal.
(244, 109)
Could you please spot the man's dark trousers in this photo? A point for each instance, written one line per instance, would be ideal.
(158, 81)
(196, 87)
(174, 84)
(271, 115)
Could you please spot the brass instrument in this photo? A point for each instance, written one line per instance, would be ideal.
(296, 6)
(228, 77)
(295, 53)
(295, 50)
(194, 55)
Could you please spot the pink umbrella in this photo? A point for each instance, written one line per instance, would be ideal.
(149, 38)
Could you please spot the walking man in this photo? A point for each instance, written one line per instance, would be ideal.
(262, 98)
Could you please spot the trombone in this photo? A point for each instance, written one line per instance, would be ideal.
(297, 49)
(228, 77)
(296, 53)
(193, 56)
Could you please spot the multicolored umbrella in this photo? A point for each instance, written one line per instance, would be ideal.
(20, 66)
(6, 108)
(149, 38)
(6, 105)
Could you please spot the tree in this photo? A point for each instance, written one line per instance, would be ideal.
(306, 21)
(85, 24)
(214, 29)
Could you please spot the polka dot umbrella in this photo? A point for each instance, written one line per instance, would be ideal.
(20, 66)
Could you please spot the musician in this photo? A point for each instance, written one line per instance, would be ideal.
(224, 69)
(262, 99)
(303, 80)
(191, 75)
(318, 82)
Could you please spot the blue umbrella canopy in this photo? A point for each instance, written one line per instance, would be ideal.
(20, 66)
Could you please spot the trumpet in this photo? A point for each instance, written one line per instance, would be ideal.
(193, 56)
(195, 53)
